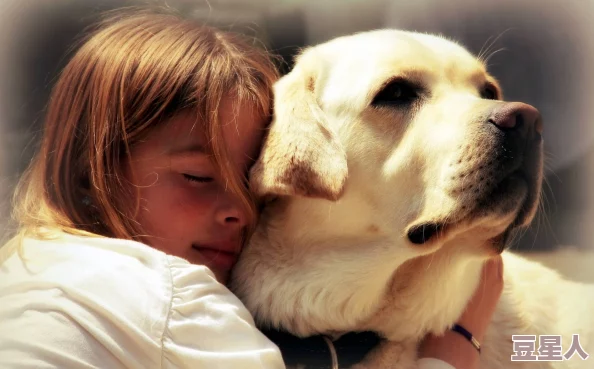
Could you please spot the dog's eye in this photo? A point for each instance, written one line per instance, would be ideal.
(489, 92)
(398, 93)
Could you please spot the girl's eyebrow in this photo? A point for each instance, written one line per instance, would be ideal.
(188, 150)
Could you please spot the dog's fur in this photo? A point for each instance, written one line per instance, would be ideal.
(351, 177)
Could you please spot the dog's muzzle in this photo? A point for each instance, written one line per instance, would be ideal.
(497, 171)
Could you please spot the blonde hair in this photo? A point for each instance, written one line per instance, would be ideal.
(133, 72)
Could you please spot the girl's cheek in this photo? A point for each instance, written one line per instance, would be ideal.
(202, 195)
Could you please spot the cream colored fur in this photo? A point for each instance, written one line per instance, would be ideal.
(344, 181)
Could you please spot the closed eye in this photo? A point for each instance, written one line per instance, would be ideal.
(192, 178)
(398, 93)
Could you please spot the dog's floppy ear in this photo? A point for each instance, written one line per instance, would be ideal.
(301, 155)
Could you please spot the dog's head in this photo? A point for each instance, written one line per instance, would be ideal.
(388, 145)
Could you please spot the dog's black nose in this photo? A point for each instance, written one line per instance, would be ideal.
(518, 117)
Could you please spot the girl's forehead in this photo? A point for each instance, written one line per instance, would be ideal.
(183, 130)
(242, 127)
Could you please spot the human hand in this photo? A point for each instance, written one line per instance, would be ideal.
(452, 347)
(480, 308)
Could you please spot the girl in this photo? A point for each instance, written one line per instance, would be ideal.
(135, 208)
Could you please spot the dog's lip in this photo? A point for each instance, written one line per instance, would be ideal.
(524, 175)
(501, 241)
(516, 172)
(423, 232)
(519, 173)
(499, 188)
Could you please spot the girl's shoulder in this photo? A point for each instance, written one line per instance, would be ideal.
(100, 266)
(129, 304)
(115, 278)
(74, 258)
(119, 304)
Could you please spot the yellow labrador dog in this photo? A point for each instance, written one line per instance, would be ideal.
(391, 172)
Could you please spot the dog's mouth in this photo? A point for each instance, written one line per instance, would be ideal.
(516, 193)
(510, 203)
(422, 233)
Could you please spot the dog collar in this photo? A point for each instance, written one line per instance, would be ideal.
(320, 352)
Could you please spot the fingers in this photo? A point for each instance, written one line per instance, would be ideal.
(480, 308)
(492, 275)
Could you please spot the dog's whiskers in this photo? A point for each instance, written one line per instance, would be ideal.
(493, 53)
(488, 48)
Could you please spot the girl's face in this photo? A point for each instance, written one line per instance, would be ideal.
(184, 207)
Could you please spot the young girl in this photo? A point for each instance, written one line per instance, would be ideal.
(135, 208)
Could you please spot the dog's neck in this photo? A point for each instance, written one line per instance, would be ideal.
(426, 294)
(389, 290)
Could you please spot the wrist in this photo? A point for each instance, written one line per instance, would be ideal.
(475, 326)
(469, 337)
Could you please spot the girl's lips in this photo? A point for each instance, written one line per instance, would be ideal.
(216, 257)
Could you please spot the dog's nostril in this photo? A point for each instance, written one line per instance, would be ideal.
(507, 123)
(422, 233)
(515, 116)
(519, 120)
(538, 126)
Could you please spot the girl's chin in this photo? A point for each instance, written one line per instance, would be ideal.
(219, 263)
(221, 275)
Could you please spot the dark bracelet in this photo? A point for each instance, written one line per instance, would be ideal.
(458, 328)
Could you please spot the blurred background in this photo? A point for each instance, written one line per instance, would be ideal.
(543, 54)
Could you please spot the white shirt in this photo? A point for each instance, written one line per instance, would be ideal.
(83, 302)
